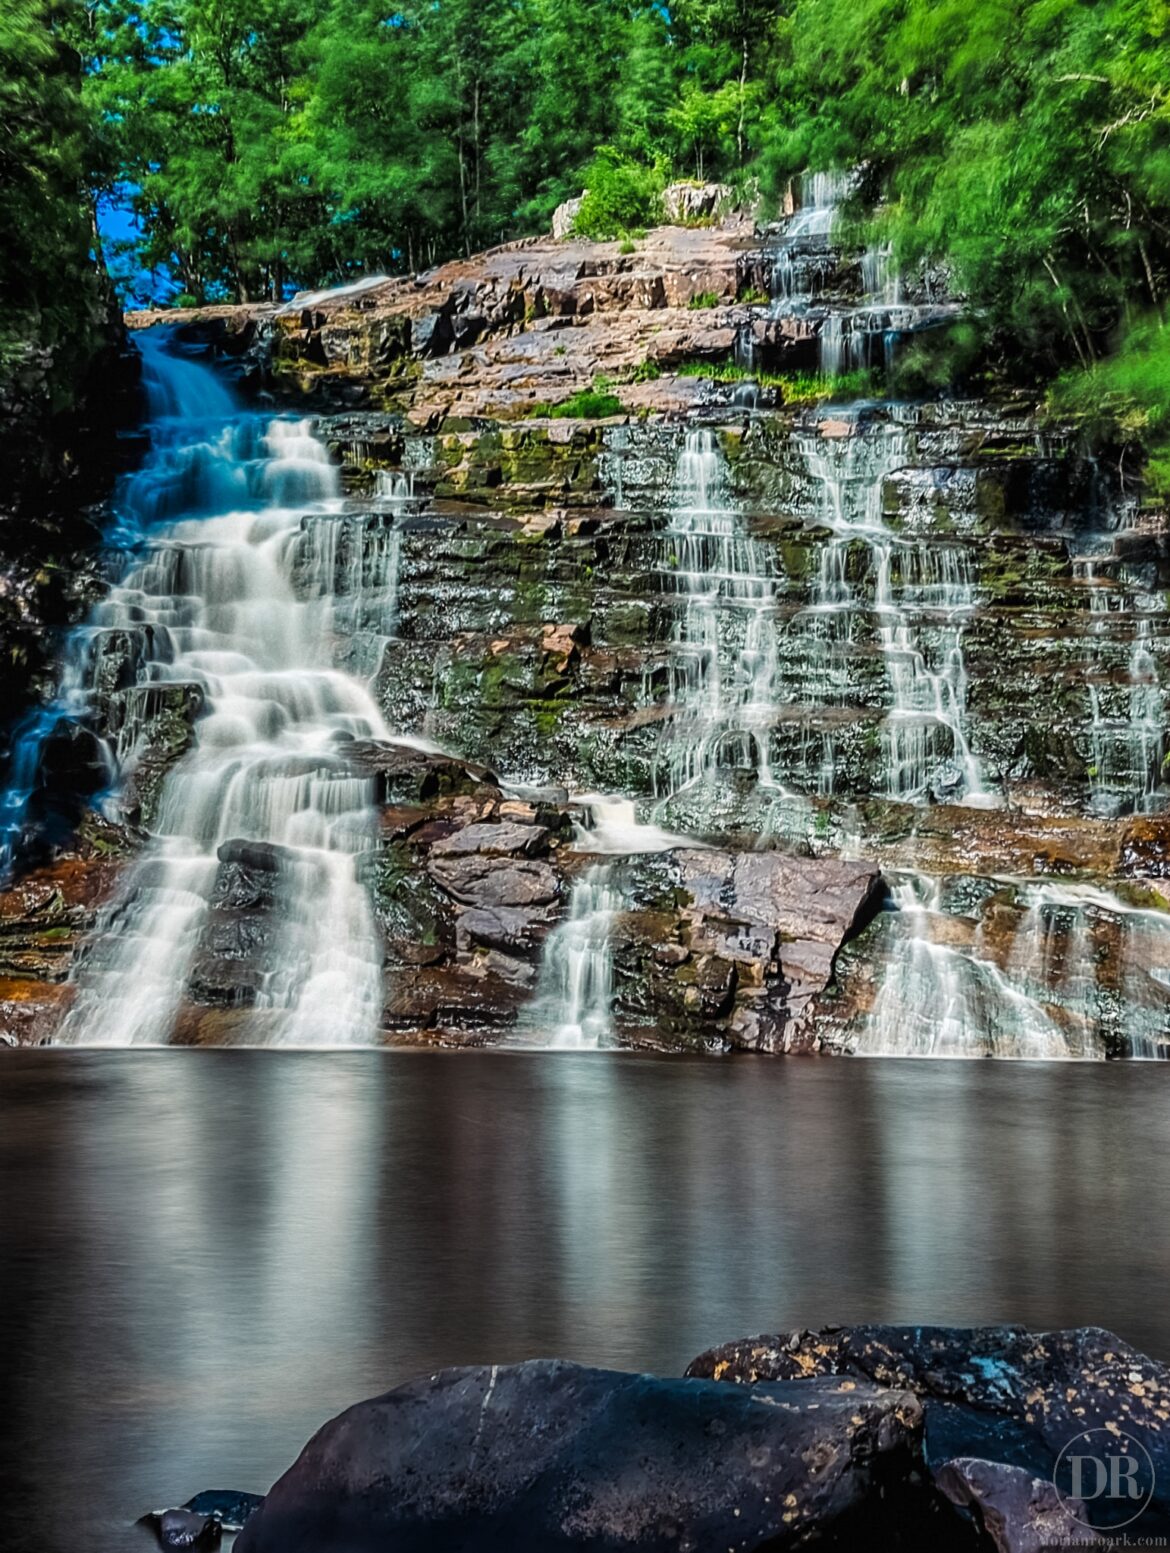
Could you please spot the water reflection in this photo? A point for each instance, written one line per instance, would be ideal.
(205, 1254)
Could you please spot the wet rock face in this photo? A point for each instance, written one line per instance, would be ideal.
(552, 1456)
(44, 918)
(731, 948)
(64, 440)
(1000, 1394)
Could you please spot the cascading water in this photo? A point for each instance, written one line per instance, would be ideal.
(1127, 715)
(573, 1007)
(574, 1003)
(806, 272)
(247, 569)
(942, 999)
(723, 648)
(922, 596)
(1055, 971)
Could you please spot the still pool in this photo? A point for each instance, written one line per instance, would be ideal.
(204, 1254)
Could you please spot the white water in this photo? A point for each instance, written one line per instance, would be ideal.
(614, 828)
(723, 648)
(851, 338)
(939, 999)
(923, 594)
(240, 590)
(574, 1001)
(1085, 973)
(1127, 719)
(352, 289)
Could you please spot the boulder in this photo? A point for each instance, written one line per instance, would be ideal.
(506, 839)
(685, 203)
(1015, 1511)
(734, 947)
(998, 1394)
(478, 880)
(549, 1456)
(564, 217)
(508, 928)
(404, 773)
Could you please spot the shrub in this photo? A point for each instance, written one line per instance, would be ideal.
(620, 194)
(795, 388)
(1125, 400)
(705, 299)
(587, 405)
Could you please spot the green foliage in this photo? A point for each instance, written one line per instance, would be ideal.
(795, 388)
(1125, 400)
(47, 279)
(1025, 144)
(620, 193)
(646, 372)
(271, 143)
(627, 246)
(703, 300)
(588, 404)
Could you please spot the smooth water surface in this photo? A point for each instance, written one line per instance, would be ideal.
(203, 1255)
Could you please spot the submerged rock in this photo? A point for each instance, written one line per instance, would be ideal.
(553, 1456)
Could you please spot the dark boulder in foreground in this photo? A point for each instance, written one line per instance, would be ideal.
(1017, 1511)
(551, 1456)
(1003, 1395)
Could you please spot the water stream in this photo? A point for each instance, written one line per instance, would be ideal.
(247, 572)
(723, 646)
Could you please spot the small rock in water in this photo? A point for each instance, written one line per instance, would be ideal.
(202, 1520)
(185, 1529)
(231, 1507)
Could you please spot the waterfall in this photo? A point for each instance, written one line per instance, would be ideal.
(574, 1003)
(573, 1006)
(923, 595)
(613, 827)
(939, 998)
(1104, 959)
(821, 194)
(1127, 736)
(805, 262)
(1050, 971)
(723, 647)
(247, 568)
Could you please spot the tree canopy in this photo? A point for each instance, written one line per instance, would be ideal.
(268, 144)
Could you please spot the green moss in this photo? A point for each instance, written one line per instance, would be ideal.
(796, 389)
